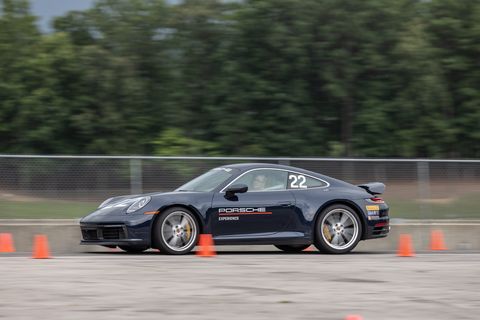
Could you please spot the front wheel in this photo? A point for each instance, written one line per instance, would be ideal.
(337, 230)
(293, 248)
(176, 231)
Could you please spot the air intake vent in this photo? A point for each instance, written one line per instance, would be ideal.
(113, 233)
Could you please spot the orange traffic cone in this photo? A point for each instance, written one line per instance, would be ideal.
(206, 248)
(353, 317)
(6, 243)
(40, 247)
(436, 241)
(405, 248)
(309, 249)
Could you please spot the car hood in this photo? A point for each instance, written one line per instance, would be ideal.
(118, 205)
(114, 206)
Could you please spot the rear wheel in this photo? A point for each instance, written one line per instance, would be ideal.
(176, 231)
(293, 248)
(133, 249)
(337, 230)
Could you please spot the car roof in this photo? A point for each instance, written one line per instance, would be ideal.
(250, 166)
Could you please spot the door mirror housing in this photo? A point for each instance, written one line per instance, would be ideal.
(236, 188)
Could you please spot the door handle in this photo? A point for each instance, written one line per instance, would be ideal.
(285, 204)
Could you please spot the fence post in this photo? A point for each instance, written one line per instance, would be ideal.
(423, 177)
(136, 176)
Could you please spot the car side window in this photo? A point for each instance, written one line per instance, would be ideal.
(264, 180)
(299, 181)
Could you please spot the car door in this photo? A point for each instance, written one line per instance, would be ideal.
(266, 207)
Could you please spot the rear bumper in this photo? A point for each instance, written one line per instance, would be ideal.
(377, 221)
(379, 229)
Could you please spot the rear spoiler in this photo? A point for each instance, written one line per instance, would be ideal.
(373, 187)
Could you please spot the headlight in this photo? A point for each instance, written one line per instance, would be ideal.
(104, 203)
(139, 204)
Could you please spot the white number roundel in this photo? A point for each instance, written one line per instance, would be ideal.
(297, 181)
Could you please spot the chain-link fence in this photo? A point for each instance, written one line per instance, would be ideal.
(71, 186)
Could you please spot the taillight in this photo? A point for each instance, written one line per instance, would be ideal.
(377, 200)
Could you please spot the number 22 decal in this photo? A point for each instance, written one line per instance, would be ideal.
(297, 178)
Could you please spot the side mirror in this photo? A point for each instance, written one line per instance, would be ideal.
(236, 188)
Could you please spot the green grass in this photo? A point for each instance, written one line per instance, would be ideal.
(464, 207)
(45, 209)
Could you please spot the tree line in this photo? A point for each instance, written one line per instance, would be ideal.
(370, 78)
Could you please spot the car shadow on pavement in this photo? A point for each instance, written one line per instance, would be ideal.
(233, 253)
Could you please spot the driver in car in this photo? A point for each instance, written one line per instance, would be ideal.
(259, 182)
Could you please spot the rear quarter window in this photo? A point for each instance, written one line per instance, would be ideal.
(301, 181)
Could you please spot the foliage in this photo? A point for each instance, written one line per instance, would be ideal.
(174, 142)
(258, 77)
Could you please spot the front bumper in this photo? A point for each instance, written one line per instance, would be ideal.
(116, 231)
(108, 235)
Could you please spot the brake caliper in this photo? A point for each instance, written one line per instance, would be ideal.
(327, 234)
(189, 230)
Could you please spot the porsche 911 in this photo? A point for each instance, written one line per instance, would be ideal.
(244, 204)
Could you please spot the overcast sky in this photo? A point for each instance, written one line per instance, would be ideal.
(47, 9)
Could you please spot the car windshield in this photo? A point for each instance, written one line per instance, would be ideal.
(208, 181)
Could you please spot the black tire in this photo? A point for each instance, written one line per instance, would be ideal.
(324, 241)
(133, 249)
(160, 242)
(293, 248)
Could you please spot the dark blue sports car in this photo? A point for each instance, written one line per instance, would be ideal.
(284, 206)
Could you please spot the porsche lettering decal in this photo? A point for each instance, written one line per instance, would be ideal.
(242, 211)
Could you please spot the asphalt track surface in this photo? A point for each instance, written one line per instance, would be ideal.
(241, 285)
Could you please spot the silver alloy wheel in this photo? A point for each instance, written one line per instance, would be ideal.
(339, 229)
(178, 231)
